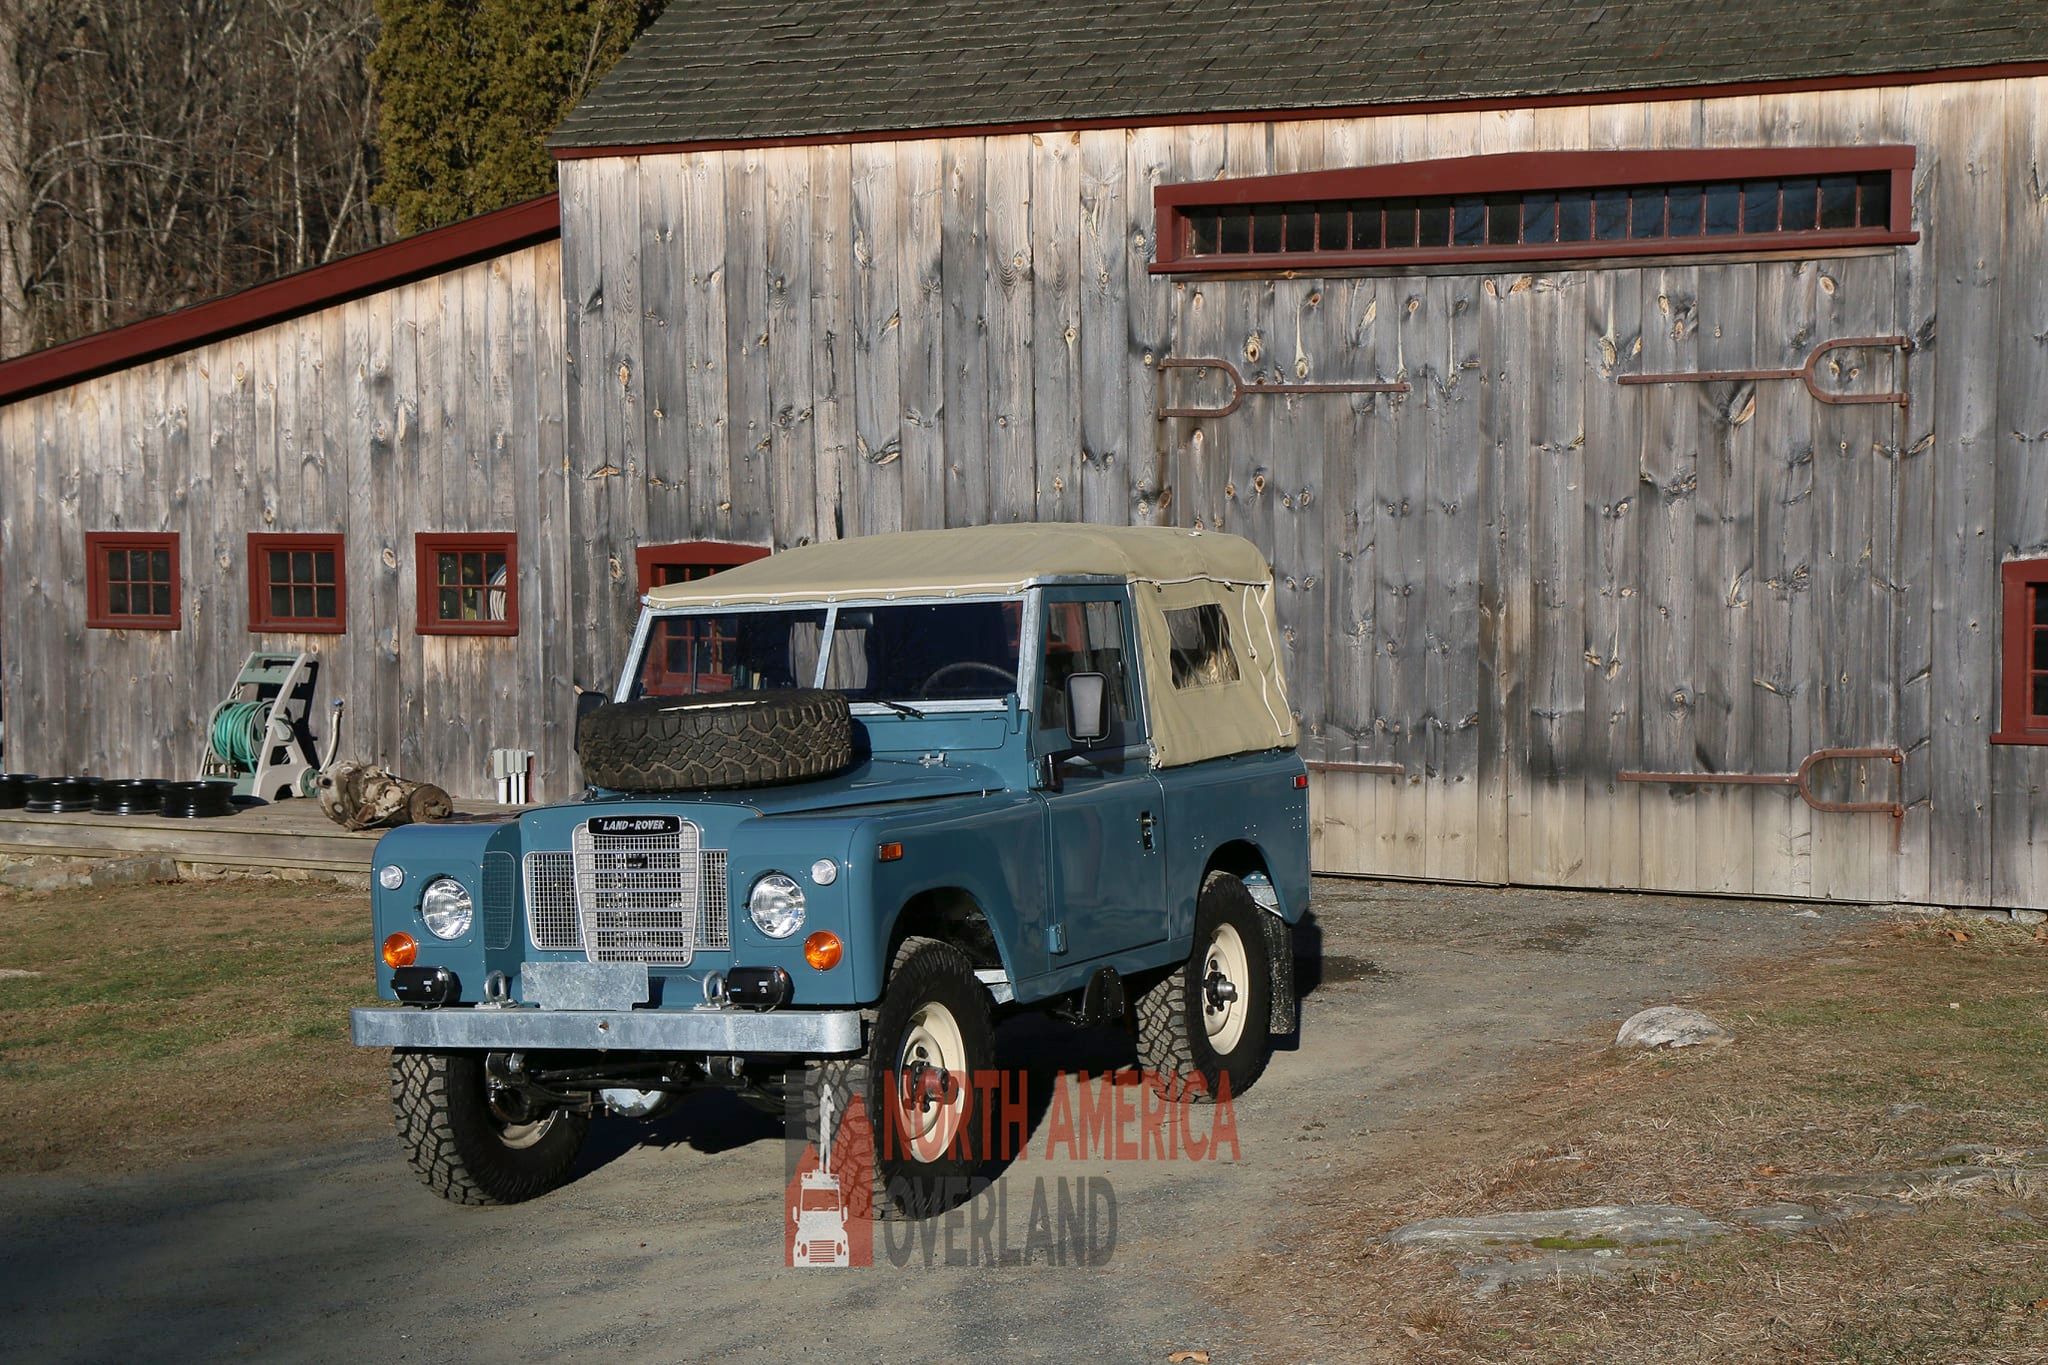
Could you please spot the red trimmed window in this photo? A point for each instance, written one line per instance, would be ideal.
(131, 580)
(2023, 703)
(297, 584)
(687, 657)
(1540, 206)
(468, 583)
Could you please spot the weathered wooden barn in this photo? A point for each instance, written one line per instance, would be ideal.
(1645, 425)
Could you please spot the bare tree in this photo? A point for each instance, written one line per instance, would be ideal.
(161, 158)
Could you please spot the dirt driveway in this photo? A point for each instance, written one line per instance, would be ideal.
(668, 1244)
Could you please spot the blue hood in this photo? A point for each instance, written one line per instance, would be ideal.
(871, 781)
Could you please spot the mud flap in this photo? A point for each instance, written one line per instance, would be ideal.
(1285, 1018)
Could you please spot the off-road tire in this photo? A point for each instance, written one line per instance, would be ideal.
(455, 1144)
(717, 741)
(924, 970)
(1174, 1048)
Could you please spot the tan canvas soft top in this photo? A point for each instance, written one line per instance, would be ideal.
(1173, 571)
(979, 559)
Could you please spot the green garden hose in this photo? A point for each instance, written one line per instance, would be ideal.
(238, 733)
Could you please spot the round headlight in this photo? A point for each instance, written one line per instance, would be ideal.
(776, 905)
(824, 872)
(445, 906)
(391, 876)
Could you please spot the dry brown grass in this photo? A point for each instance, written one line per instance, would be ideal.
(177, 1021)
(1951, 1017)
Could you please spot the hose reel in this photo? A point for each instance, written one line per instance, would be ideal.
(258, 737)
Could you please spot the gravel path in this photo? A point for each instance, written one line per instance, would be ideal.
(667, 1246)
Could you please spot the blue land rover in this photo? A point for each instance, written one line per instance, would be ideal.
(847, 803)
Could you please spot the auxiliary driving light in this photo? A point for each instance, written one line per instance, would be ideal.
(391, 876)
(824, 872)
(822, 950)
(400, 950)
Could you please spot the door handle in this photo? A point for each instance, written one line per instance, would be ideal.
(1145, 823)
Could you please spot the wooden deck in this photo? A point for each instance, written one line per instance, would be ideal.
(287, 834)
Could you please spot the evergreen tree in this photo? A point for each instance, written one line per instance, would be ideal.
(470, 88)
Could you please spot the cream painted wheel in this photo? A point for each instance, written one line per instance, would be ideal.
(932, 1081)
(512, 1131)
(1226, 968)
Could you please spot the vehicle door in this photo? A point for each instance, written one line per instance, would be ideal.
(1106, 837)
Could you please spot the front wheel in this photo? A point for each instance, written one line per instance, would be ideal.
(1202, 1029)
(904, 1118)
(473, 1143)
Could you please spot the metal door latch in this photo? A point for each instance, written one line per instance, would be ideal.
(1145, 823)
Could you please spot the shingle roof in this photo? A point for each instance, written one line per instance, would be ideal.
(708, 72)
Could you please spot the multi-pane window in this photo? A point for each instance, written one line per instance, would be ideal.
(296, 584)
(690, 655)
(1540, 206)
(131, 580)
(2023, 717)
(468, 584)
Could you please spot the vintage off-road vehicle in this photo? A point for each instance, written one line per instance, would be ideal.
(847, 802)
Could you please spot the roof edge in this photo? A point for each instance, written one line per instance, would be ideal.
(1468, 104)
(417, 257)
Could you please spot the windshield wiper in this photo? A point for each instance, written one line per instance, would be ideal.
(899, 708)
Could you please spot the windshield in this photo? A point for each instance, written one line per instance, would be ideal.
(905, 653)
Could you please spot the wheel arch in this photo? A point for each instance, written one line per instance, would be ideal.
(950, 914)
(1244, 860)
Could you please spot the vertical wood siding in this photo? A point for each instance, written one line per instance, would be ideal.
(1515, 580)
(436, 406)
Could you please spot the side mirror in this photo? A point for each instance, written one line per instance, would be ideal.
(1087, 707)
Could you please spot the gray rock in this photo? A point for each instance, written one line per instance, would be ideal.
(1788, 1219)
(1929, 1182)
(69, 874)
(1490, 1277)
(2030, 917)
(15, 973)
(1601, 1227)
(133, 871)
(1670, 1026)
(1806, 914)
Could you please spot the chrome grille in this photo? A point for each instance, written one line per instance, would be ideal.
(714, 922)
(551, 903)
(637, 894)
(501, 898)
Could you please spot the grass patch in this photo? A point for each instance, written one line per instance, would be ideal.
(1874, 1057)
(174, 1021)
(1575, 1244)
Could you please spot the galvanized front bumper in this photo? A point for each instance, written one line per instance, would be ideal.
(793, 1032)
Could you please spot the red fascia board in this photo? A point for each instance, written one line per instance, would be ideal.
(1882, 80)
(1514, 172)
(411, 258)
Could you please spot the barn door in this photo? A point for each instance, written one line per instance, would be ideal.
(1337, 423)
(1709, 581)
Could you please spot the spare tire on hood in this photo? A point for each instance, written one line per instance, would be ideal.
(715, 741)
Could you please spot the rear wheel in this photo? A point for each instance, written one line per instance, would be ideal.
(475, 1143)
(1202, 1029)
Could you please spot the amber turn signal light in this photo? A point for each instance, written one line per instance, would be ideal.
(822, 950)
(889, 853)
(400, 950)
